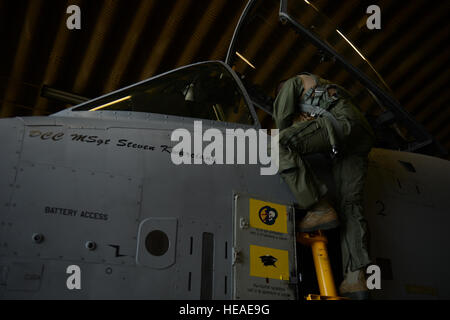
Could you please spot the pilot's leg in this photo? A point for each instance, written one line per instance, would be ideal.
(350, 172)
(306, 188)
(300, 139)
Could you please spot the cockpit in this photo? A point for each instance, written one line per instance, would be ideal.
(203, 91)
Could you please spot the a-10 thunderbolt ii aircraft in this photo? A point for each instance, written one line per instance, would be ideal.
(92, 189)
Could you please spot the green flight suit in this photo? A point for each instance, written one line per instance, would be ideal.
(355, 139)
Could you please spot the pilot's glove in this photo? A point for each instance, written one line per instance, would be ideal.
(292, 137)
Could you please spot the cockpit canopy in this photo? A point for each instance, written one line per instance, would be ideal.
(278, 39)
(204, 91)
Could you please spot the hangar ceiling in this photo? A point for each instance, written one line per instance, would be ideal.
(125, 41)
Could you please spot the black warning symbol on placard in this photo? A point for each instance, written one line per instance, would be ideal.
(268, 260)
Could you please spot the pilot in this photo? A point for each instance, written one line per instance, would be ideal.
(316, 116)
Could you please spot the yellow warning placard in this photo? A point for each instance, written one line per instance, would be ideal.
(269, 263)
(268, 216)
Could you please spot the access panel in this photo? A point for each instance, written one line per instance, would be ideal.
(264, 249)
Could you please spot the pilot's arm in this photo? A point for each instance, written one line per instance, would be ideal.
(286, 104)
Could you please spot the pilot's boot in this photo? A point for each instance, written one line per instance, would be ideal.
(354, 286)
(321, 216)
